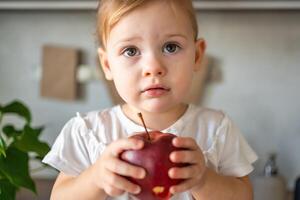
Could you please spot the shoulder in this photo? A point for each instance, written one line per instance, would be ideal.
(206, 125)
(205, 116)
(93, 119)
(104, 125)
(90, 122)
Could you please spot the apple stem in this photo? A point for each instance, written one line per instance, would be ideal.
(142, 119)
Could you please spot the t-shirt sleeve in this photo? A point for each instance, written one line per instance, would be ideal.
(69, 153)
(235, 155)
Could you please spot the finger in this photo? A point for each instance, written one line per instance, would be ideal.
(185, 142)
(184, 186)
(121, 183)
(112, 191)
(125, 169)
(191, 171)
(191, 157)
(125, 144)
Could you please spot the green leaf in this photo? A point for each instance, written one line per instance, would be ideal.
(29, 142)
(18, 108)
(15, 168)
(10, 131)
(7, 190)
(1, 114)
(2, 147)
(35, 131)
(1, 108)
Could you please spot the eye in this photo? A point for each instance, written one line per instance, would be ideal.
(171, 48)
(130, 51)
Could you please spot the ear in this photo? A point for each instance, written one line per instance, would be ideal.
(200, 47)
(104, 63)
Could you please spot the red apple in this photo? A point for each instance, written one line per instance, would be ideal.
(154, 158)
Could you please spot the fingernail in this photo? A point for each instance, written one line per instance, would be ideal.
(172, 157)
(172, 190)
(142, 174)
(171, 173)
(137, 190)
(139, 143)
(174, 141)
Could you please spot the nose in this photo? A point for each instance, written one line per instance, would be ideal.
(153, 66)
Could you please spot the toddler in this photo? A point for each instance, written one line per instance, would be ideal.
(150, 50)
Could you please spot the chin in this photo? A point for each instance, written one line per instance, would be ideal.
(159, 107)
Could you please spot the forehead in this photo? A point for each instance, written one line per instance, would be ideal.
(157, 18)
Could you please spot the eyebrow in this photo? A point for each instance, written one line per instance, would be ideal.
(140, 38)
(176, 35)
(127, 40)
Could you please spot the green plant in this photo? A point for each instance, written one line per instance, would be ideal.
(17, 147)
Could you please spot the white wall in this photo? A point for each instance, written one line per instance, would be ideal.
(256, 52)
(258, 55)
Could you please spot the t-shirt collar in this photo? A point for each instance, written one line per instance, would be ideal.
(131, 127)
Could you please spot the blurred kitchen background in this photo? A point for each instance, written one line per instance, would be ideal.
(253, 69)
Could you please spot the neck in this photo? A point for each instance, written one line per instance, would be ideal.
(155, 121)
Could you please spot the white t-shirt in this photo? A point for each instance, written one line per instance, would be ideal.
(85, 137)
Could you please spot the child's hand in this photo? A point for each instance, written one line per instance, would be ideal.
(109, 169)
(193, 174)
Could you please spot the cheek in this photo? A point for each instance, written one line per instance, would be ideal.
(125, 86)
(182, 81)
(184, 84)
(125, 77)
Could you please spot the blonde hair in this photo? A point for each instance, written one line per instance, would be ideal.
(109, 13)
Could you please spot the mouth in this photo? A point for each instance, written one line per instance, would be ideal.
(156, 90)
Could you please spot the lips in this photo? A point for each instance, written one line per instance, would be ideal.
(156, 87)
(156, 90)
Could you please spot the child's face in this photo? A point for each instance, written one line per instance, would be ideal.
(151, 55)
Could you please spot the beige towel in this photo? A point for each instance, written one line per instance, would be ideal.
(59, 72)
